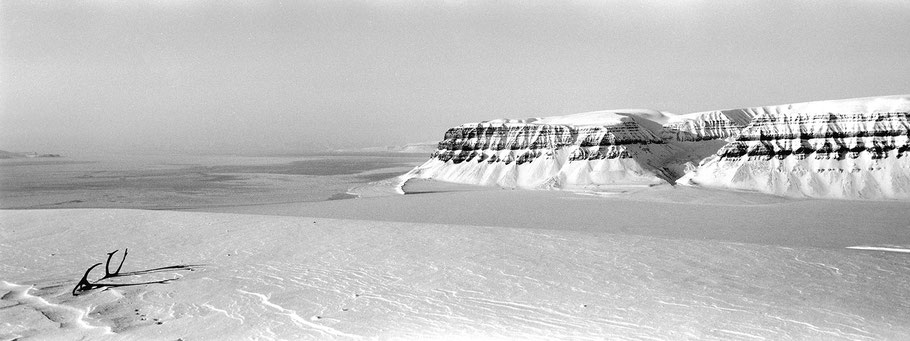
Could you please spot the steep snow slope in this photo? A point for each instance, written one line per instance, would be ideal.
(854, 148)
(587, 150)
(699, 135)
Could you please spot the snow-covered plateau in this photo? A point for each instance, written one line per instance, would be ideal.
(854, 148)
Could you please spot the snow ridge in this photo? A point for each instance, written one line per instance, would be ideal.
(709, 125)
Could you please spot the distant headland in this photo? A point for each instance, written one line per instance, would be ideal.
(16, 155)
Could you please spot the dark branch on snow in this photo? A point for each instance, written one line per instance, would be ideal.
(85, 285)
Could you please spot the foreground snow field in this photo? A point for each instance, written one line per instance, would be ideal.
(271, 277)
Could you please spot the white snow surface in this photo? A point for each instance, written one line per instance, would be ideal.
(593, 118)
(269, 277)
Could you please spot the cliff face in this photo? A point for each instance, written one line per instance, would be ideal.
(602, 148)
(822, 136)
(523, 143)
(858, 148)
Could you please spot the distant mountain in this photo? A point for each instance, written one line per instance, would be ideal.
(15, 155)
(587, 150)
(853, 148)
(417, 147)
(9, 155)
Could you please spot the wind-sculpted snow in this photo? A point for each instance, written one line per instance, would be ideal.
(297, 278)
(839, 149)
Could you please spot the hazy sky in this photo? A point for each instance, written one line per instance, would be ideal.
(294, 76)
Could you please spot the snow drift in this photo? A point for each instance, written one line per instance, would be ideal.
(851, 148)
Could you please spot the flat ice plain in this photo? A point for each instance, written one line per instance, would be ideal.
(461, 262)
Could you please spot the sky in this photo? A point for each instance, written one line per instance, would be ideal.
(299, 76)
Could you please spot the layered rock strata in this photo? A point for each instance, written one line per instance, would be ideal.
(708, 125)
(586, 150)
(857, 148)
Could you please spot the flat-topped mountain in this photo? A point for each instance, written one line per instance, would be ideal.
(576, 151)
(852, 148)
(14, 155)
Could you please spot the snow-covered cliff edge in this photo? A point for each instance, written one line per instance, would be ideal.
(708, 125)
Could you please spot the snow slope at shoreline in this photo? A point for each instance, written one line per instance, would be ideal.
(295, 277)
